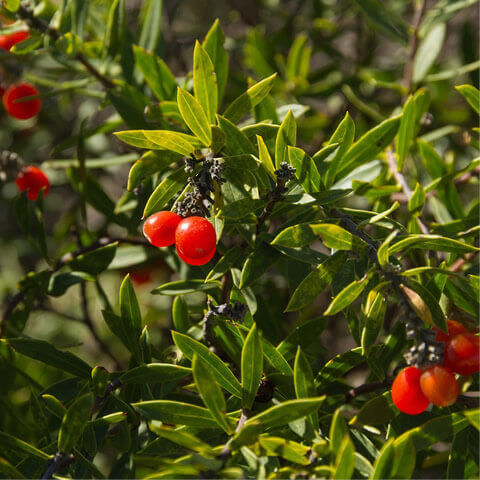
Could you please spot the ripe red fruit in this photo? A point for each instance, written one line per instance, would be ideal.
(33, 180)
(8, 41)
(17, 108)
(159, 228)
(196, 240)
(439, 385)
(406, 392)
(141, 276)
(462, 354)
(454, 328)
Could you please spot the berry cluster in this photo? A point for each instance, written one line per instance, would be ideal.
(198, 201)
(194, 237)
(413, 389)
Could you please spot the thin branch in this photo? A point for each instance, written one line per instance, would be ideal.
(56, 463)
(366, 388)
(413, 45)
(402, 182)
(27, 15)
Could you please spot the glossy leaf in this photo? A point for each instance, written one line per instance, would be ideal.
(194, 116)
(471, 95)
(155, 372)
(304, 381)
(405, 131)
(205, 82)
(286, 136)
(252, 366)
(306, 171)
(183, 287)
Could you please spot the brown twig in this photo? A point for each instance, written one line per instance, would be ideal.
(402, 182)
(366, 388)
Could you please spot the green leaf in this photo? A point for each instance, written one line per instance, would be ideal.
(316, 281)
(236, 141)
(115, 32)
(181, 321)
(61, 282)
(74, 422)
(376, 411)
(252, 367)
(151, 34)
(194, 116)
(367, 147)
(405, 458)
(210, 392)
(174, 141)
(287, 135)
(417, 200)
(181, 437)
(244, 104)
(345, 464)
(205, 82)
(384, 463)
(304, 381)
(286, 412)
(223, 375)
(225, 263)
(265, 157)
(471, 95)
(338, 431)
(165, 191)
(428, 51)
(331, 235)
(182, 287)
(47, 353)
(155, 372)
(343, 136)
(96, 261)
(431, 242)
(406, 131)
(149, 164)
(385, 20)
(287, 449)
(176, 413)
(257, 263)
(8, 442)
(213, 45)
(306, 171)
(374, 314)
(156, 73)
(298, 58)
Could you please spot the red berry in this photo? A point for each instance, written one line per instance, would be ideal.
(462, 354)
(141, 276)
(8, 41)
(454, 328)
(159, 228)
(439, 385)
(32, 179)
(196, 240)
(406, 393)
(17, 108)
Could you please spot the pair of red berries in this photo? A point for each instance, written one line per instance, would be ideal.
(8, 41)
(194, 237)
(413, 390)
(18, 108)
(33, 180)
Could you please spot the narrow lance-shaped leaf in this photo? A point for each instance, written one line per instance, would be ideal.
(194, 116)
(223, 375)
(237, 142)
(205, 82)
(265, 158)
(345, 463)
(405, 131)
(210, 392)
(471, 95)
(304, 381)
(74, 422)
(287, 135)
(428, 51)
(305, 169)
(213, 45)
(180, 315)
(167, 140)
(244, 104)
(252, 366)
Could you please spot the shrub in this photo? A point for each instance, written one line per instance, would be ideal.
(316, 167)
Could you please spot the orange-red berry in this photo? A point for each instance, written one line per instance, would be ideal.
(159, 228)
(462, 354)
(406, 392)
(14, 106)
(439, 385)
(8, 41)
(195, 240)
(33, 180)
(454, 328)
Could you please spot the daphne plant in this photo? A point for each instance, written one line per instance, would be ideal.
(250, 263)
